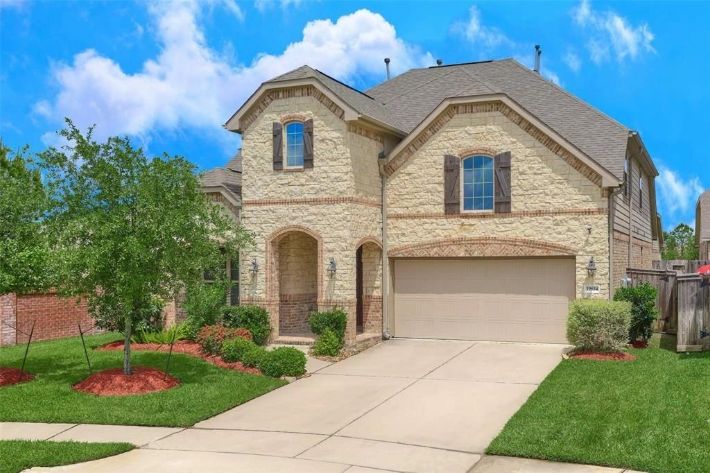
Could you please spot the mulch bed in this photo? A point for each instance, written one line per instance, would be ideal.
(639, 344)
(187, 348)
(9, 376)
(113, 382)
(587, 355)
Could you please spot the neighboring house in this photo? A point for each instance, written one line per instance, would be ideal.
(702, 225)
(494, 196)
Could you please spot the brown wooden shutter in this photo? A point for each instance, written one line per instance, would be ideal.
(452, 196)
(278, 147)
(308, 144)
(502, 186)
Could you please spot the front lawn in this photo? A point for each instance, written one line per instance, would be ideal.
(18, 455)
(205, 389)
(652, 414)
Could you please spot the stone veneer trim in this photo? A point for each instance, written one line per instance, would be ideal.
(315, 201)
(481, 247)
(482, 215)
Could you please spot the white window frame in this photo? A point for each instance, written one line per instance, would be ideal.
(461, 185)
(285, 145)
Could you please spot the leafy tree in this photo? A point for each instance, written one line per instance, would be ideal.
(24, 252)
(680, 243)
(129, 229)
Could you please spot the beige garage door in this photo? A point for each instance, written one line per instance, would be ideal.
(515, 299)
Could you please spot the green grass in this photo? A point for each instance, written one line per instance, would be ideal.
(205, 390)
(18, 455)
(651, 415)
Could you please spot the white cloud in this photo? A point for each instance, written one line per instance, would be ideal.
(612, 33)
(477, 33)
(571, 58)
(263, 5)
(678, 196)
(189, 85)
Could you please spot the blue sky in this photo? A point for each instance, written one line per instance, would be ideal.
(170, 74)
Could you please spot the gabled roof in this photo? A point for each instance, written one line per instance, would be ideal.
(414, 94)
(227, 179)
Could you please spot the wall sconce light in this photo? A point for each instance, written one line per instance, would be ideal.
(254, 267)
(591, 267)
(332, 268)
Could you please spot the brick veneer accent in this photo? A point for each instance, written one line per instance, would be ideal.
(366, 132)
(493, 106)
(487, 215)
(642, 255)
(294, 117)
(293, 313)
(56, 317)
(481, 247)
(372, 314)
(8, 319)
(315, 201)
(279, 94)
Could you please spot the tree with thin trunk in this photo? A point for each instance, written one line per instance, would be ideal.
(128, 229)
(24, 252)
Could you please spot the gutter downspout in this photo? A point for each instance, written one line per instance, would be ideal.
(382, 160)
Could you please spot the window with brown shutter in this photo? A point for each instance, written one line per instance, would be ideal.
(308, 144)
(502, 188)
(452, 171)
(278, 147)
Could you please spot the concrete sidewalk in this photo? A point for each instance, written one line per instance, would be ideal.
(418, 406)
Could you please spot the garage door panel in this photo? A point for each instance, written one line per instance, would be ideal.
(478, 299)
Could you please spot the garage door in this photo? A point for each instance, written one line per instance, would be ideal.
(513, 299)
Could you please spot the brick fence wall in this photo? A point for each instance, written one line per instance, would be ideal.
(53, 316)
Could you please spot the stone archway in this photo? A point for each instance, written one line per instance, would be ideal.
(368, 287)
(294, 284)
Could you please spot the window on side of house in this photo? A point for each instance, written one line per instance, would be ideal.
(478, 189)
(627, 181)
(294, 144)
(641, 191)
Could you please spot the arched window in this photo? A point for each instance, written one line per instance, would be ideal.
(478, 187)
(294, 145)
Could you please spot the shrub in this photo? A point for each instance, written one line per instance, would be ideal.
(598, 325)
(327, 344)
(211, 337)
(162, 337)
(204, 304)
(283, 361)
(643, 309)
(254, 356)
(251, 317)
(335, 320)
(234, 350)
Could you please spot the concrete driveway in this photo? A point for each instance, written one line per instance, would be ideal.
(404, 405)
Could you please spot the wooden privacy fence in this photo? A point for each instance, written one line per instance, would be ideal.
(680, 265)
(684, 305)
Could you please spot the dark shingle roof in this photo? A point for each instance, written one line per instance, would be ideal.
(416, 93)
(229, 176)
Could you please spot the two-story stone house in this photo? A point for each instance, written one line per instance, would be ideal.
(469, 201)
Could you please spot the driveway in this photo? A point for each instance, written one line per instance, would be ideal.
(404, 405)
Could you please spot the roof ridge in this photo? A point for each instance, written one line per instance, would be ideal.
(344, 84)
(418, 86)
(572, 96)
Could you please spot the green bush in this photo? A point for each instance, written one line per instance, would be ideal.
(643, 310)
(204, 304)
(283, 361)
(234, 349)
(211, 337)
(327, 344)
(251, 317)
(599, 325)
(162, 337)
(335, 320)
(254, 356)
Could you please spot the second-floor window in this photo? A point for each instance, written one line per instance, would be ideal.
(478, 186)
(294, 145)
(641, 191)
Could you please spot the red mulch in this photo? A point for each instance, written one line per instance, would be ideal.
(639, 344)
(186, 347)
(10, 376)
(589, 355)
(113, 382)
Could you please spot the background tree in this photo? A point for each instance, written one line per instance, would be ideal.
(24, 253)
(129, 229)
(680, 243)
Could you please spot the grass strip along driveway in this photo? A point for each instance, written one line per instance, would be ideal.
(652, 414)
(18, 455)
(205, 389)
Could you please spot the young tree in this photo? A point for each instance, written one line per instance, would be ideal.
(24, 253)
(128, 228)
(680, 243)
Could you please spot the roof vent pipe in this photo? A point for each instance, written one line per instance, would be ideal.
(538, 53)
(439, 62)
(387, 66)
